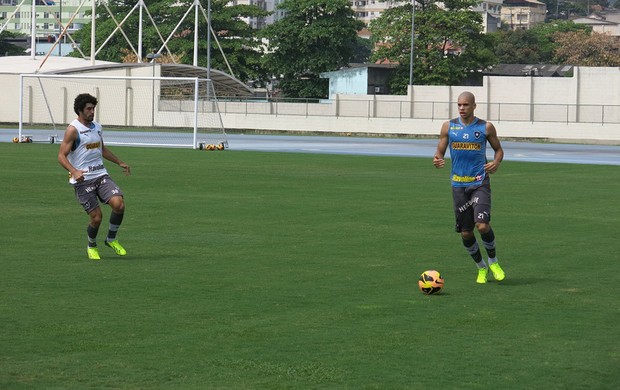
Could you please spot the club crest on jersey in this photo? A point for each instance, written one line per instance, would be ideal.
(477, 134)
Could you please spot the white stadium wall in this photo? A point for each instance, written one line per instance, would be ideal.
(521, 107)
(582, 108)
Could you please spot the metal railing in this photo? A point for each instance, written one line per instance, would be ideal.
(433, 110)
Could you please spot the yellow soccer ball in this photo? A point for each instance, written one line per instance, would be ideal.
(430, 282)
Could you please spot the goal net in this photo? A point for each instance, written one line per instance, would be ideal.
(141, 111)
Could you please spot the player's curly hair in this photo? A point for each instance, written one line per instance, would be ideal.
(82, 100)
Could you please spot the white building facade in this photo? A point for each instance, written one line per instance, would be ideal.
(523, 14)
(367, 10)
(491, 11)
(50, 14)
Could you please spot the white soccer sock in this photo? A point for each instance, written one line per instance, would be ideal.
(481, 264)
(492, 260)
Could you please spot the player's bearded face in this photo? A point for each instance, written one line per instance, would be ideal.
(89, 112)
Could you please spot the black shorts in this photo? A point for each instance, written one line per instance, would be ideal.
(89, 192)
(472, 205)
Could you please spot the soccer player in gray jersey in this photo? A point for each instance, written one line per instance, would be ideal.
(81, 153)
(467, 137)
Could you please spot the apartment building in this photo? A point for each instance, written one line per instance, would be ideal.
(523, 14)
(267, 5)
(49, 16)
(491, 11)
(367, 10)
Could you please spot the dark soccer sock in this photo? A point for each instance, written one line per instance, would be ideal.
(92, 236)
(488, 240)
(472, 247)
(115, 223)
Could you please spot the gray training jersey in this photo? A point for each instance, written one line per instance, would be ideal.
(86, 151)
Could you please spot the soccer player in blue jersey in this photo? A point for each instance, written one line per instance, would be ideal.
(467, 137)
(81, 153)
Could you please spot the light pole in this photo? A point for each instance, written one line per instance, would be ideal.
(153, 57)
(60, 30)
(209, 41)
(412, 41)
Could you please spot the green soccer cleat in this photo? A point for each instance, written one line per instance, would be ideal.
(117, 247)
(93, 253)
(482, 275)
(498, 272)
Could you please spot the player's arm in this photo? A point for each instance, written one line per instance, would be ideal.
(68, 140)
(442, 146)
(493, 166)
(108, 155)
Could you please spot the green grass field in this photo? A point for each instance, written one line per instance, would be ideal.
(299, 271)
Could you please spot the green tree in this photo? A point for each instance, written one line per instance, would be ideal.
(533, 46)
(545, 36)
(517, 47)
(238, 41)
(362, 50)
(587, 49)
(314, 36)
(449, 46)
(8, 48)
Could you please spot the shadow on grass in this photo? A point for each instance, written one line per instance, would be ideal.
(509, 282)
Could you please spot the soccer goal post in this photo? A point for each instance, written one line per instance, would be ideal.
(140, 111)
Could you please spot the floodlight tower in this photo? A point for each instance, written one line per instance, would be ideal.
(33, 30)
(93, 32)
(412, 41)
(209, 39)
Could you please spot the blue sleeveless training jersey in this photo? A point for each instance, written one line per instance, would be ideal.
(467, 151)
